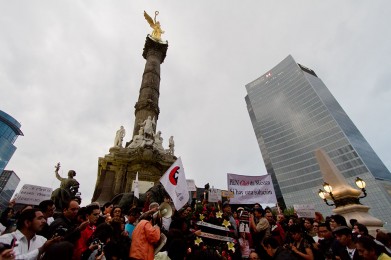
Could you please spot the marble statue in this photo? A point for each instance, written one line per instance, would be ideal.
(69, 188)
(158, 144)
(155, 25)
(138, 140)
(148, 127)
(171, 145)
(119, 137)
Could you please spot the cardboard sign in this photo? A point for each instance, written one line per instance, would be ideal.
(305, 211)
(33, 195)
(214, 195)
(143, 186)
(227, 194)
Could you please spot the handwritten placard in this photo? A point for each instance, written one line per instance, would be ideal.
(33, 195)
(305, 211)
(214, 195)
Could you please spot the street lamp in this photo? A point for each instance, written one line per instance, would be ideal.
(328, 190)
(361, 184)
(322, 195)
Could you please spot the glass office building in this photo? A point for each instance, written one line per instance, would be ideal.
(9, 131)
(293, 114)
(8, 183)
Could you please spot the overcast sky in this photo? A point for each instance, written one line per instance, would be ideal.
(70, 73)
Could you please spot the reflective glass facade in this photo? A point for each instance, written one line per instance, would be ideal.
(293, 114)
(8, 183)
(9, 131)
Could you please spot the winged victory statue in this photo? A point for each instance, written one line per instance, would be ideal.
(155, 25)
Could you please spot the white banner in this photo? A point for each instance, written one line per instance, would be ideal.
(305, 211)
(174, 181)
(251, 189)
(33, 195)
(136, 190)
(214, 195)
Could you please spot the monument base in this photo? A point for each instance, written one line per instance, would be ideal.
(118, 169)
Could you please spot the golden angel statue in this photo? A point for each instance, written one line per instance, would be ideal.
(155, 25)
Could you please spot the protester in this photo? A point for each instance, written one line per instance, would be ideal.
(227, 213)
(29, 244)
(369, 250)
(92, 215)
(337, 221)
(301, 247)
(326, 241)
(47, 207)
(276, 231)
(276, 251)
(66, 224)
(144, 237)
(347, 250)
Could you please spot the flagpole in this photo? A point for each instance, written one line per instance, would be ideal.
(136, 192)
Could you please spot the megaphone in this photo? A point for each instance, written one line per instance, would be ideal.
(164, 211)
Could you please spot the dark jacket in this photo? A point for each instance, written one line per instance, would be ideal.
(64, 227)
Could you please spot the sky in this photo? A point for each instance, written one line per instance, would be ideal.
(70, 73)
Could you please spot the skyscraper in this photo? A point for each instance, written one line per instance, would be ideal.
(293, 114)
(8, 183)
(9, 131)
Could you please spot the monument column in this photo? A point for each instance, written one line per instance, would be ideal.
(148, 101)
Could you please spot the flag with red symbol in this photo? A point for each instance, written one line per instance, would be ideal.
(174, 181)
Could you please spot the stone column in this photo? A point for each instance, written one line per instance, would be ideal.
(148, 101)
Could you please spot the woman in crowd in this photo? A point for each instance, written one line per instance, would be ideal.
(301, 247)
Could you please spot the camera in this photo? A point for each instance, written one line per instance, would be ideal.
(101, 245)
(4, 247)
(60, 231)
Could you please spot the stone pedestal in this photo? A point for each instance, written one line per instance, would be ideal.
(345, 197)
(118, 169)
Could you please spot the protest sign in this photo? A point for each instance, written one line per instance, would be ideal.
(251, 189)
(227, 194)
(143, 186)
(214, 195)
(305, 211)
(33, 195)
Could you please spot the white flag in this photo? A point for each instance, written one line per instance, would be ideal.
(174, 181)
(136, 191)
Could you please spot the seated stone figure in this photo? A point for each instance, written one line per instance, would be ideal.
(138, 140)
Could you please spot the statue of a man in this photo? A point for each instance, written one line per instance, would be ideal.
(158, 144)
(138, 140)
(148, 127)
(119, 137)
(171, 145)
(69, 184)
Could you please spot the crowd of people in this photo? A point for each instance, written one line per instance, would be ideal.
(197, 231)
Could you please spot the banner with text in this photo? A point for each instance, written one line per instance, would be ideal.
(251, 189)
(305, 211)
(33, 195)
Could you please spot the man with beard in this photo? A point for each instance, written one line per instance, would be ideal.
(25, 241)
